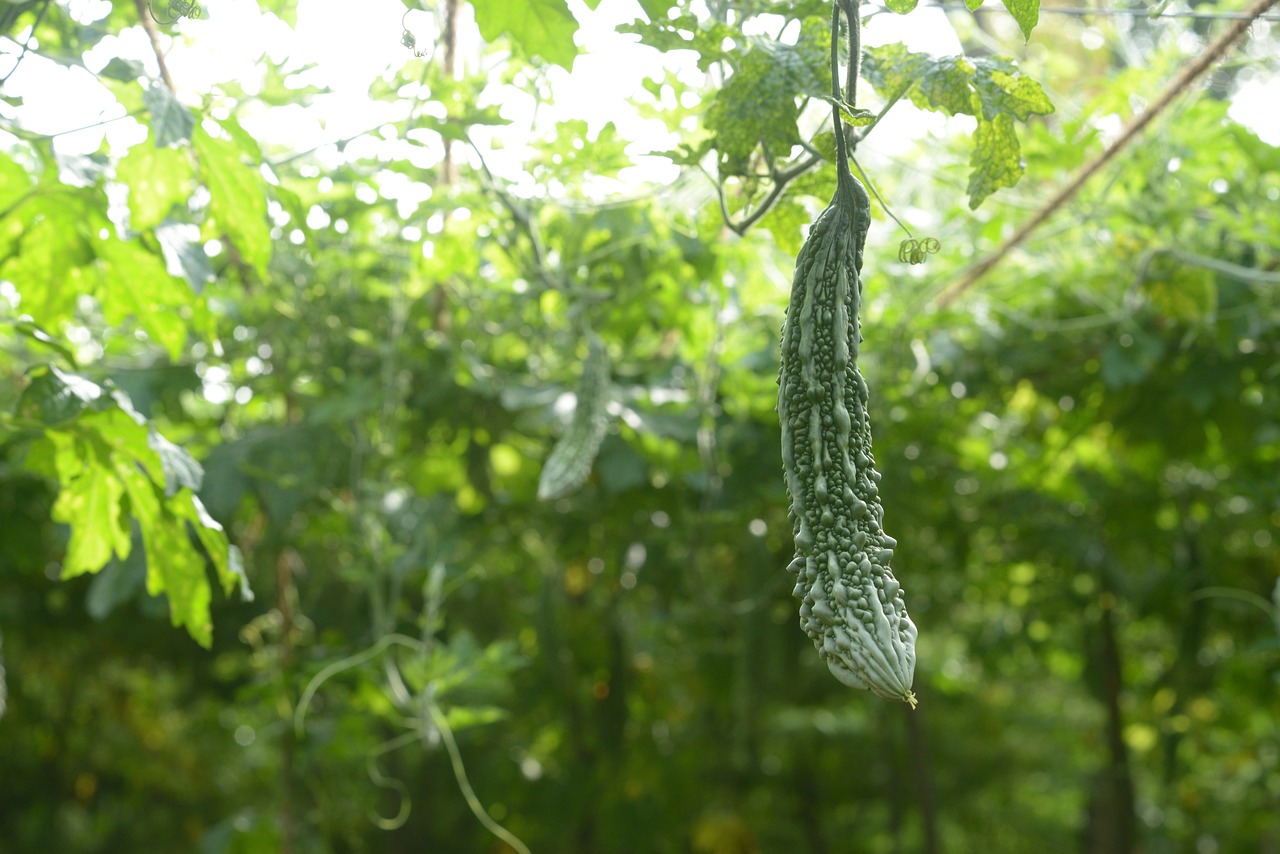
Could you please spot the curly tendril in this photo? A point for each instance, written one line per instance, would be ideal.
(409, 40)
(912, 251)
(174, 10)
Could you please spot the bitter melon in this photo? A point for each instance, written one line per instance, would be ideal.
(569, 464)
(852, 606)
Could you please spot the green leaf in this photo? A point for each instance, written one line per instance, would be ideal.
(181, 471)
(996, 159)
(990, 88)
(686, 154)
(15, 183)
(686, 32)
(227, 561)
(51, 246)
(175, 568)
(238, 200)
(455, 127)
(111, 466)
(171, 122)
(902, 7)
(972, 5)
(174, 564)
(249, 148)
(892, 69)
(1003, 90)
(786, 221)
(1129, 359)
(32, 332)
(90, 504)
(287, 11)
(182, 254)
(158, 179)
(128, 435)
(1026, 13)
(124, 70)
(656, 10)
(56, 397)
(947, 84)
(825, 144)
(135, 285)
(757, 106)
(142, 492)
(542, 28)
(465, 717)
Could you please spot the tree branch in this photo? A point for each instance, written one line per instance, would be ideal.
(144, 15)
(781, 178)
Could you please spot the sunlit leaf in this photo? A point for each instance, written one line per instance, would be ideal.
(1025, 12)
(238, 200)
(947, 84)
(996, 161)
(52, 243)
(1003, 90)
(175, 568)
(757, 106)
(542, 28)
(136, 286)
(14, 182)
(90, 504)
(990, 88)
(158, 179)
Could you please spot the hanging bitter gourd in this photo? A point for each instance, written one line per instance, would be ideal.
(852, 606)
(569, 464)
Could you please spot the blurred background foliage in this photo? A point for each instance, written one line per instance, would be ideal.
(1081, 456)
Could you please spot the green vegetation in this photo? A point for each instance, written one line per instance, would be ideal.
(422, 491)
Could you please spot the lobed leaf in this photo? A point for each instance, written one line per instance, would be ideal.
(996, 160)
(170, 120)
(542, 28)
(113, 469)
(988, 88)
(757, 106)
(238, 199)
(158, 179)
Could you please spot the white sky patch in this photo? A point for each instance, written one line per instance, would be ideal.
(1254, 106)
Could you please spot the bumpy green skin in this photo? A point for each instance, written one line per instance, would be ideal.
(570, 462)
(852, 605)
